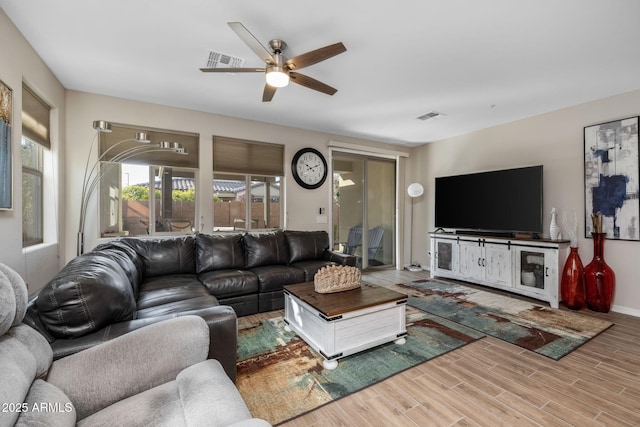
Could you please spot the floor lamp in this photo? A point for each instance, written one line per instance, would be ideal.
(92, 175)
(414, 190)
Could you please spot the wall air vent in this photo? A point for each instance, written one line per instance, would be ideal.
(431, 115)
(222, 60)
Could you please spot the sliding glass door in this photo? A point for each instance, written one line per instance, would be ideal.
(364, 208)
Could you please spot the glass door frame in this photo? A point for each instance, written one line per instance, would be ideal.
(374, 155)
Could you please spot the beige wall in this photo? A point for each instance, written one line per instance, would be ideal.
(301, 206)
(21, 63)
(554, 140)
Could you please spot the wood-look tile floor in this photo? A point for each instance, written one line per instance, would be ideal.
(494, 383)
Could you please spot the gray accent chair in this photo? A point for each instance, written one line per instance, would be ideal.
(158, 375)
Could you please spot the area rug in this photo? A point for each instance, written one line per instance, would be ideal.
(551, 332)
(281, 377)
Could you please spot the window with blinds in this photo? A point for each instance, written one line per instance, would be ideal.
(34, 145)
(35, 118)
(241, 156)
(247, 178)
(145, 189)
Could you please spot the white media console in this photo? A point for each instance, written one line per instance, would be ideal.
(530, 267)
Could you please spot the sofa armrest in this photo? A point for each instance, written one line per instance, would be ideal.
(127, 365)
(223, 333)
(339, 258)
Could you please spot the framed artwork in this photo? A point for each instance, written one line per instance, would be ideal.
(6, 183)
(611, 178)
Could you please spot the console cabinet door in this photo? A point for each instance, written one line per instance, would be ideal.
(471, 259)
(498, 264)
(445, 258)
(526, 267)
(536, 270)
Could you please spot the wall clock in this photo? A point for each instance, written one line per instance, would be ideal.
(309, 168)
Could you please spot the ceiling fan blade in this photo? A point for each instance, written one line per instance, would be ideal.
(311, 83)
(232, 70)
(252, 42)
(315, 56)
(268, 93)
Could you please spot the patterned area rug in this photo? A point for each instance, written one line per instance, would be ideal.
(550, 332)
(281, 377)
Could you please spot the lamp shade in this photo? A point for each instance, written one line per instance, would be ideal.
(102, 126)
(415, 190)
(142, 137)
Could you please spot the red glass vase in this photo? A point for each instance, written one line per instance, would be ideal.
(572, 282)
(599, 277)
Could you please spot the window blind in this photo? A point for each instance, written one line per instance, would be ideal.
(121, 139)
(231, 155)
(35, 118)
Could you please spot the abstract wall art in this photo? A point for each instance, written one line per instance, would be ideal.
(611, 178)
(6, 184)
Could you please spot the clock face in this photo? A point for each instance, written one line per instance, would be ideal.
(309, 168)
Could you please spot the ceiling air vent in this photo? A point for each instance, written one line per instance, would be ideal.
(222, 60)
(431, 115)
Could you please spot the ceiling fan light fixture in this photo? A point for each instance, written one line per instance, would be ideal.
(277, 76)
(278, 70)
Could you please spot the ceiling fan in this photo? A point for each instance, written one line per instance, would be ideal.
(280, 70)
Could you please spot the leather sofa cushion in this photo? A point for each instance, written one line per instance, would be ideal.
(165, 289)
(219, 252)
(242, 305)
(273, 277)
(228, 283)
(306, 245)
(176, 307)
(128, 260)
(311, 267)
(269, 301)
(90, 292)
(32, 318)
(161, 257)
(266, 249)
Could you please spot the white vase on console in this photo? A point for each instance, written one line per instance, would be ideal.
(554, 230)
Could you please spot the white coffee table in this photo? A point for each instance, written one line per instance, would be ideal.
(343, 323)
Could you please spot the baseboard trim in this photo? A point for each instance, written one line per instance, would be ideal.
(626, 310)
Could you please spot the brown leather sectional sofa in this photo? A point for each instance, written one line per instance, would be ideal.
(128, 283)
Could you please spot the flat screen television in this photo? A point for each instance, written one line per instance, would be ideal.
(497, 202)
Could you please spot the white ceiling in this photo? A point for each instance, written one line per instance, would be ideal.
(481, 63)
